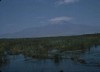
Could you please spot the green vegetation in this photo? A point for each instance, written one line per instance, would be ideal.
(39, 47)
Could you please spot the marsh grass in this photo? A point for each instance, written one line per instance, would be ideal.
(39, 47)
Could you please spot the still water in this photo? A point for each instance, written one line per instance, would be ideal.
(74, 61)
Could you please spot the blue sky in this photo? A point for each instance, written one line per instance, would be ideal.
(16, 15)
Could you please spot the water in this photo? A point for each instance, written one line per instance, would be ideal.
(75, 61)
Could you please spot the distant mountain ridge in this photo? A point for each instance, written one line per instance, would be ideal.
(53, 30)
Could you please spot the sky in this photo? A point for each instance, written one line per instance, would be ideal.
(17, 15)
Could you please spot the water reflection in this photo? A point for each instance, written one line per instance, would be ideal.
(66, 61)
(3, 59)
(89, 58)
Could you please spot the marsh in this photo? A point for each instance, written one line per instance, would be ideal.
(57, 54)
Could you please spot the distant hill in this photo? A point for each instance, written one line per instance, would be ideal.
(53, 30)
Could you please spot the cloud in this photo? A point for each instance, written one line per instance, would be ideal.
(60, 19)
(60, 2)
